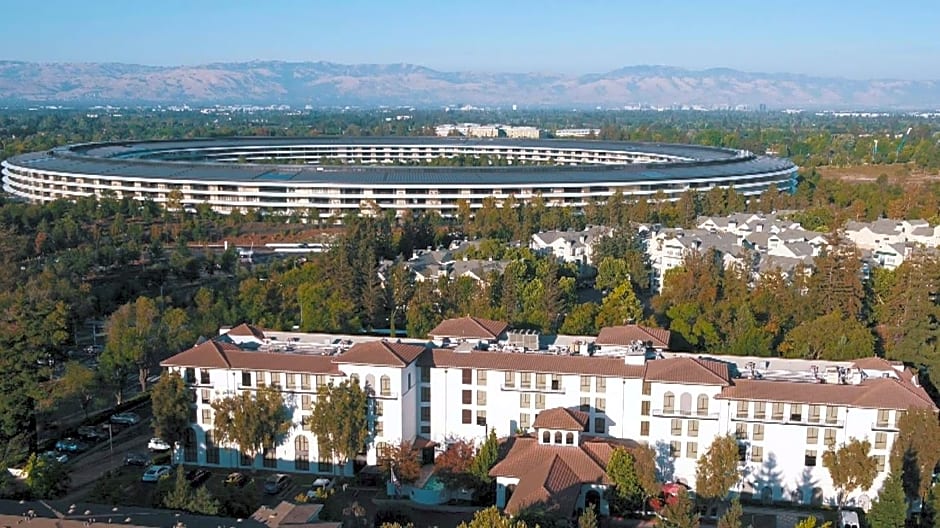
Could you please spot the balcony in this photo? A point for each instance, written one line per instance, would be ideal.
(683, 413)
(385, 395)
(552, 389)
(884, 426)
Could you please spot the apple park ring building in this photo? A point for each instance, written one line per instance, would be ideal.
(331, 177)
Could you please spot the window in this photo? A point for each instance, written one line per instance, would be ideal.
(647, 388)
(812, 435)
(830, 438)
(324, 466)
(742, 409)
(758, 433)
(585, 383)
(306, 422)
(809, 460)
(757, 453)
(291, 380)
(524, 422)
(585, 404)
(777, 411)
(525, 380)
(675, 448)
(321, 380)
(539, 401)
(301, 454)
(206, 396)
(467, 397)
(425, 414)
(190, 446)
(600, 425)
(569, 439)
(425, 429)
(796, 412)
(212, 450)
(669, 402)
(546, 437)
(676, 427)
(246, 378)
(481, 397)
(276, 379)
(740, 431)
(467, 416)
(426, 394)
(509, 379)
(245, 460)
(644, 428)
(883, 417)
(692, 428)
(558, 437)
(305, 382)
(204, 377)
(525, 400)
(425, 374)
(881, 440)
(600, 404)
(880, 463)
(556, 382)
(742, 452)
(354, 378)
(815, 412)
(379, 428)
(379, 407)
(760, 410)
(481, 377)
(540, 381)
(702, 407)
(189, 375)
(832, 415)
(645, 408)
(691, 450)
(466, 376)
(385, 386)
(207, 416)
(481, 418)
(600, 384)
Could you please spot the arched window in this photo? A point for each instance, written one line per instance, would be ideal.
(370, 382)
(685, 403)
(386, 386)
(212, 450)
(669, 402)
(702, 404)
(558, 437)
(569, 439)
(546, 437)
(301, 453)
(189, 446)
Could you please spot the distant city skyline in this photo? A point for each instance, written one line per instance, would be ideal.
(858, 40)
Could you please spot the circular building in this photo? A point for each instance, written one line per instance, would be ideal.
(331, 177)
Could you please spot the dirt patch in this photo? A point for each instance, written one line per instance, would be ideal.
(867, 173)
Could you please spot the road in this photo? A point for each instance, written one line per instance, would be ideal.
(89, 466)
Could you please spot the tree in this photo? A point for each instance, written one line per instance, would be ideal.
(491, 518)
(580, 321)
(836, 283)
(810, 522)
(832, 337)
(678, 512)
(611, 272)
(620, 306)
(916, 450)
(252, 422)
(588, 519)
(889, 510)
(404, 460)
(77, 383)
(932, 508)
(732, 516)
(46, 478)
(627, 494)
(717, 470)
(644, 462)
(339, 419)
(180, 494)
(171, 407)
(453, 465)
(851, 467)
(134, 338)
(485, 458)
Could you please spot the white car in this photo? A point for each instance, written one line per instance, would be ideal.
(155, 473)
(158, 444)
(58, 456)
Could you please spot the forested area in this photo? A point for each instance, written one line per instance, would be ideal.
(143, 268)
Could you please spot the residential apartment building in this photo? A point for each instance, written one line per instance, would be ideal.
(785, 413)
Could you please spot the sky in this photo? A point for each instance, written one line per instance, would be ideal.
(858, 39)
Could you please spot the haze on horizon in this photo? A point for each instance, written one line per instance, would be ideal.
(865, 39)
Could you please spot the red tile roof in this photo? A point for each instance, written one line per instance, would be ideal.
(469, 327)
(562, 419)
(213, 354)
(878, 393)
(876, 363)
(381, 353)
(629, 334)
(246, 329)
(547, 363)
(693, 371)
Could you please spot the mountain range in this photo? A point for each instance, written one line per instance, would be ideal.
(331, 84)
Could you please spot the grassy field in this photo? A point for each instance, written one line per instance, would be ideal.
(894, 173)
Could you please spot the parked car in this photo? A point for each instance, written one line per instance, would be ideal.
(236, 479)
(70, 445)
(158, 444)
(276, 483)
(321, 486)
(197, 476)
(59, 457)
(136, 459)
(90, 432)
(155, 473)
(125, 418)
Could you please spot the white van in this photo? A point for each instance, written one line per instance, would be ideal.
(848, 519)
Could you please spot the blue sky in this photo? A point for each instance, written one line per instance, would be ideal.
(846, 38)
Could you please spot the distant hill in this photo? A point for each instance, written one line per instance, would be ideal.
(330, 84)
